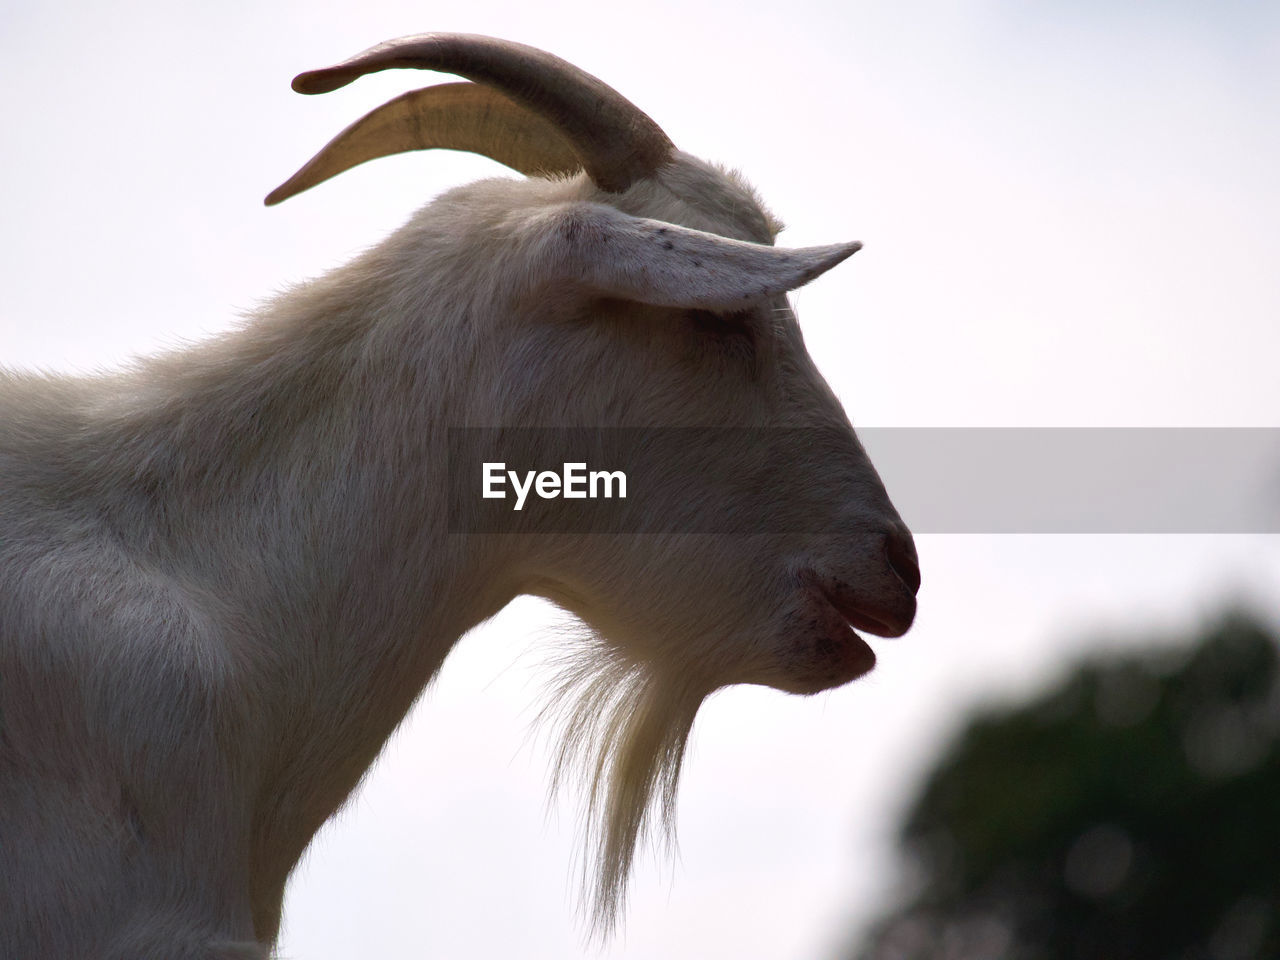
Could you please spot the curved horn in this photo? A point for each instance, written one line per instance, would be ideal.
(456, 116)
(615, 141)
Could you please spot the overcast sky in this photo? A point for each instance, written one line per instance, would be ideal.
(1071, 217)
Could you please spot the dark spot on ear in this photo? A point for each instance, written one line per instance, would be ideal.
(668, 245)
(697, 263)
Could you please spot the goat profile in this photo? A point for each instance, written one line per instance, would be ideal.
(226, 573)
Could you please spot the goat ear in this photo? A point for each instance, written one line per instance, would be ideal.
(672, 266)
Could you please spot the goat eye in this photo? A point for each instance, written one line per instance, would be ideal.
(733, 333)
(704, 321)
(717, 324)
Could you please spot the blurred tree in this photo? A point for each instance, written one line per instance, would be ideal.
(1131, 813)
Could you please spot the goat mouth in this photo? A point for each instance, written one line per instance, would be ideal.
(834, 652)
(854, 611)
(860, 619)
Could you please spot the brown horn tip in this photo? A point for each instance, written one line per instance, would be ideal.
(617, 143)
(324, 80)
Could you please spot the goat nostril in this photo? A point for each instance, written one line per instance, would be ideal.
(900, 551)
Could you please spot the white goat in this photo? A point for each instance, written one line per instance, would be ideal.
(227, 573)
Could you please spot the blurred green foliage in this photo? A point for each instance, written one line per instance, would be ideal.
(1131, 813)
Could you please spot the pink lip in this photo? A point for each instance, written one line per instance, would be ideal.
(847, 655)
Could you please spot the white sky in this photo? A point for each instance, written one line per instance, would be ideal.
(1071, 217)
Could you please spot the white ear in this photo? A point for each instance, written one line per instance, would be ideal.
(667, 265)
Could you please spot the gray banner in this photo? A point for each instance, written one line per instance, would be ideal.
(942, 480)
(1081, 480)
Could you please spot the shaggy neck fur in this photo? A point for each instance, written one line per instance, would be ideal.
(296, 466)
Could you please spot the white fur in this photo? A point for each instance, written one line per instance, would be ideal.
(226, 573)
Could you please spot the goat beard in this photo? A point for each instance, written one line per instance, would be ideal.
(623, 725)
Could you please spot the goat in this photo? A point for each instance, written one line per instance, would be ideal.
(227, 572)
